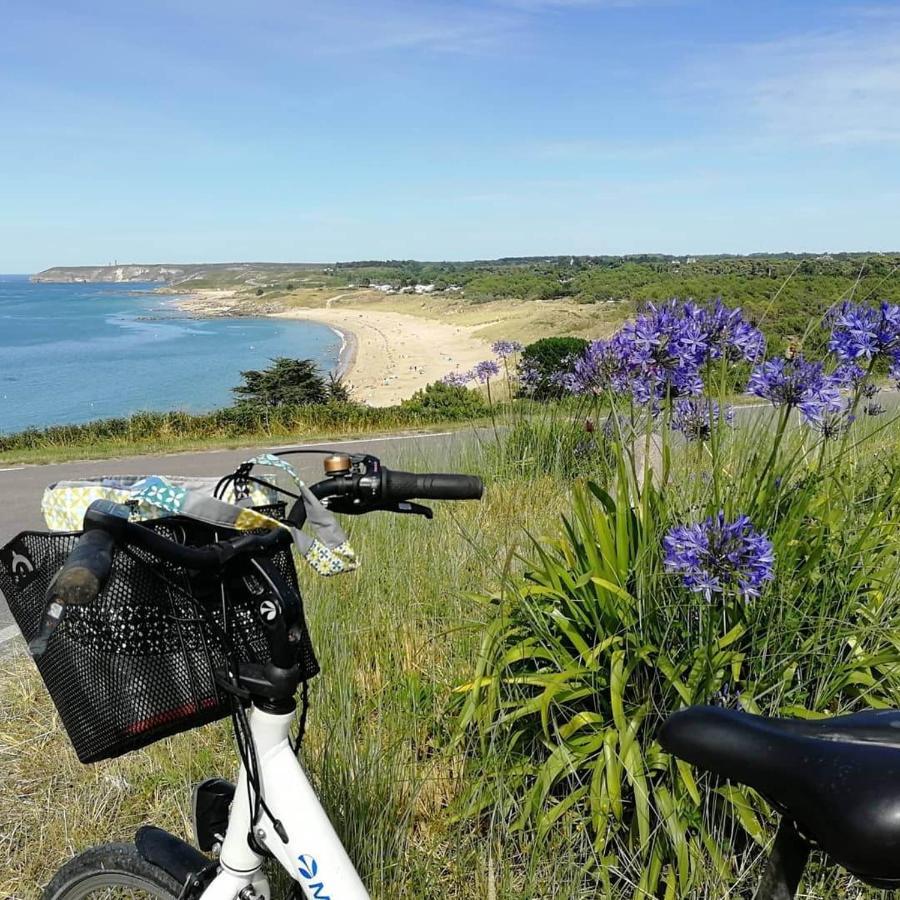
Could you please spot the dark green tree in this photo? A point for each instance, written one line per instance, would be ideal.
(288, 382)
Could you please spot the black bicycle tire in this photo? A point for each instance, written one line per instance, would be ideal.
(110, 865)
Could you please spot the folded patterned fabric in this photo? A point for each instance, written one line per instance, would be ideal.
(65, 502)
(327, 550)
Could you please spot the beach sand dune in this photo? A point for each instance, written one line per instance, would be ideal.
(390, 355)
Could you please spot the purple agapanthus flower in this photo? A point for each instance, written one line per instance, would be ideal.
(849, 375)
(485, 370)
(834, 423)
(660, 355)
(868, 390)
(529, 379)
(715, 556)
(696, 417)
(797, 383)
(599, 367)
(864, 332)
(729, 335)
(457, 379)
(503, 349)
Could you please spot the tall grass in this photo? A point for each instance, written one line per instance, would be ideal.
(393, 639)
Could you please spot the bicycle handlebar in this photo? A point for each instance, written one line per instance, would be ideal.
(437, 486)
(86, 571)
(84, 574)
(390, 486)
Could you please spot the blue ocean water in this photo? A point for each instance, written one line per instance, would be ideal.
(76, 352)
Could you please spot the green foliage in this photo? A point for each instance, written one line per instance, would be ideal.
(592, 643)
(548, 357)
(288, 382)
(337, 390)
(240, 425)
(595, 645)
(518, 284)
(445, 401)
(786, 294)
(559, 443)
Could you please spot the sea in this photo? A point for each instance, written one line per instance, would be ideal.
(77, 352)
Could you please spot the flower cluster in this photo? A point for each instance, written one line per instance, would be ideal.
(863, 332)
(457, 379)
(696, 418)
(834, 423)
(529, 379)
(797, 383)
(504, 349)
(661, 353)
(485, 370)
(730, 336)
(715, 556)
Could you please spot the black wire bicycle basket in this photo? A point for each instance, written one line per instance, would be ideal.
(140, 663)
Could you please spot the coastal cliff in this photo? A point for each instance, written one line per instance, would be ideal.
(166, 273)
(72, 274)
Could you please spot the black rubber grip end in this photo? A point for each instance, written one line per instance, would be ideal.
(85, 572)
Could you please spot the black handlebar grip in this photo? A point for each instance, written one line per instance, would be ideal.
(436, 486)
(85, 572)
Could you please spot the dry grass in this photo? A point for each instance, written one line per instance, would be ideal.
(393, 640)
(522, 320)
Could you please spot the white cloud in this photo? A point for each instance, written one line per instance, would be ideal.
(827, 87)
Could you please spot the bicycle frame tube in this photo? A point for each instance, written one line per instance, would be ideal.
(313, 854)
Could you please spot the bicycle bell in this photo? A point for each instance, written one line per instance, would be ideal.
(337, 464)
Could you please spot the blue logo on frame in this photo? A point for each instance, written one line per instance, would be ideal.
(308, 869)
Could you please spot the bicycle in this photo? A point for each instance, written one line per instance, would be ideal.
(835, 782)
(272, 812)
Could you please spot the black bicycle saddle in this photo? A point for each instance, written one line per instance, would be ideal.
(838, 779)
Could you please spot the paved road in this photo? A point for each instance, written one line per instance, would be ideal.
(21, 487)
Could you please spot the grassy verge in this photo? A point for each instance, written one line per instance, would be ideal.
(177, 431)
(394, 641)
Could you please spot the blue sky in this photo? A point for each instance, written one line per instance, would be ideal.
(212, 130)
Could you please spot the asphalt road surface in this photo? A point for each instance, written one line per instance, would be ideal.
(21, 487)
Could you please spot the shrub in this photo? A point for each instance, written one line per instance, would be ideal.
(547, 358)
(440, 400)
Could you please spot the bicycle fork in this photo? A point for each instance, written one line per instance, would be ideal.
(312, 854)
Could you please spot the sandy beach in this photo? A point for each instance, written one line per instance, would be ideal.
(389, 356)
(386, 357)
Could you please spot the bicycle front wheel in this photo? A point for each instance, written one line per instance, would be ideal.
(111, 872)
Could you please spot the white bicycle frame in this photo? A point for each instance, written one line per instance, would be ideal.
(313, 854)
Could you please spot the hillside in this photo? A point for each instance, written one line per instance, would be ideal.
(204, 274)
(786, 294)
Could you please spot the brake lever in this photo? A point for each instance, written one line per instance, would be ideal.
(410, 509)
(347, 507)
